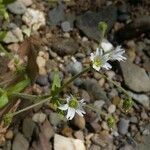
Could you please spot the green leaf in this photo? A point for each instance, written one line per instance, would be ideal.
(18, 87)
(3, 99)
(56, 83)
(2, 35)
(6, 2)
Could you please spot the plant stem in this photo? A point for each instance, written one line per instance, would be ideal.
(74, 77)
(32, 106)
(117, 85)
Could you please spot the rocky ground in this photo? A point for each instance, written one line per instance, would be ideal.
(62, 32)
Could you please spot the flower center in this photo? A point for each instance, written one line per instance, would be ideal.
(73, 103)
(97, 61)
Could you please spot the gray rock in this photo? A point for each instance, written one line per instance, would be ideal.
(17, 8)
(56, 15)
(13, 36)
(42, 80)
(7, 146)
(55, 119)
(75, 67)
(99, 104)
(135, 77)
(20, 143)
(79, 122)
(51, 76)
(88, 22)
(140, 98)
(65, 46)
(94, 89)
(39, 117)
(133, 119)
(66, 26)
(127, 147)
(78, 82)
(123, 126)
(95, 147)
(146, 144)
(28, 128)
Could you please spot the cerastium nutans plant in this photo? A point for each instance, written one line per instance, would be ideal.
(72, 105)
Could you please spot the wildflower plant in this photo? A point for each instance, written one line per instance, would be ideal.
(70, 106)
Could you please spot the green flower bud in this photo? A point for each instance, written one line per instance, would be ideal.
(102, 26)
(8, 118)
(111, 122)
(127, 104)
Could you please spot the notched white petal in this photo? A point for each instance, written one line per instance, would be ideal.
(63, 107)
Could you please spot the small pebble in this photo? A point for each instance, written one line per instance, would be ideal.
(42, 80)
(39, 117)
(123, 126)
(78, 122)
(66, 26)
(111, 109)
(9, 135)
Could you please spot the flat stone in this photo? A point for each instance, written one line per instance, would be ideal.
(17, 8)
(94, 89)
(140, 98)
(13, 36)
(20, 143)
(56, 15)
(135, 77)
(28, 127)
(123, 126)
(88, 22)
(63, 143)
(65, 46)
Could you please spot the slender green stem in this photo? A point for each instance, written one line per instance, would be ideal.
(74, 77)
(29, 96)
(116, 84)
(32, 106)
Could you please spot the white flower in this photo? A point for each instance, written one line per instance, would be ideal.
(107, 52)
(117, 54)
(73, 106)
(106, 45)
(99, 59)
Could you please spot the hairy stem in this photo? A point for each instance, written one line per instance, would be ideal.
(32, 106)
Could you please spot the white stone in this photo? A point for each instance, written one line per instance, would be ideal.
(39, 117)
(64, 143)
(26, 2)
(34, 19)
(111, 109)
(13, 36)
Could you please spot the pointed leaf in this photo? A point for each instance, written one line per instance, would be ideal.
(18, 87)
(56, 83)
(3, 100)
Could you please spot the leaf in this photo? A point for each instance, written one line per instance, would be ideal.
(3, 99)
(6, 2)
(18, 87)
(2, 35)
(56, 83)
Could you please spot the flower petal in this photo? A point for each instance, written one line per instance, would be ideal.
(96, 67)
(107, 66)
(107, 46)
(70, 113)
(92, 57)
(63, 107)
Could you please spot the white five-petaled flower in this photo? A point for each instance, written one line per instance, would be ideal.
(73, 106)
(99, 60)
(106, 53)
